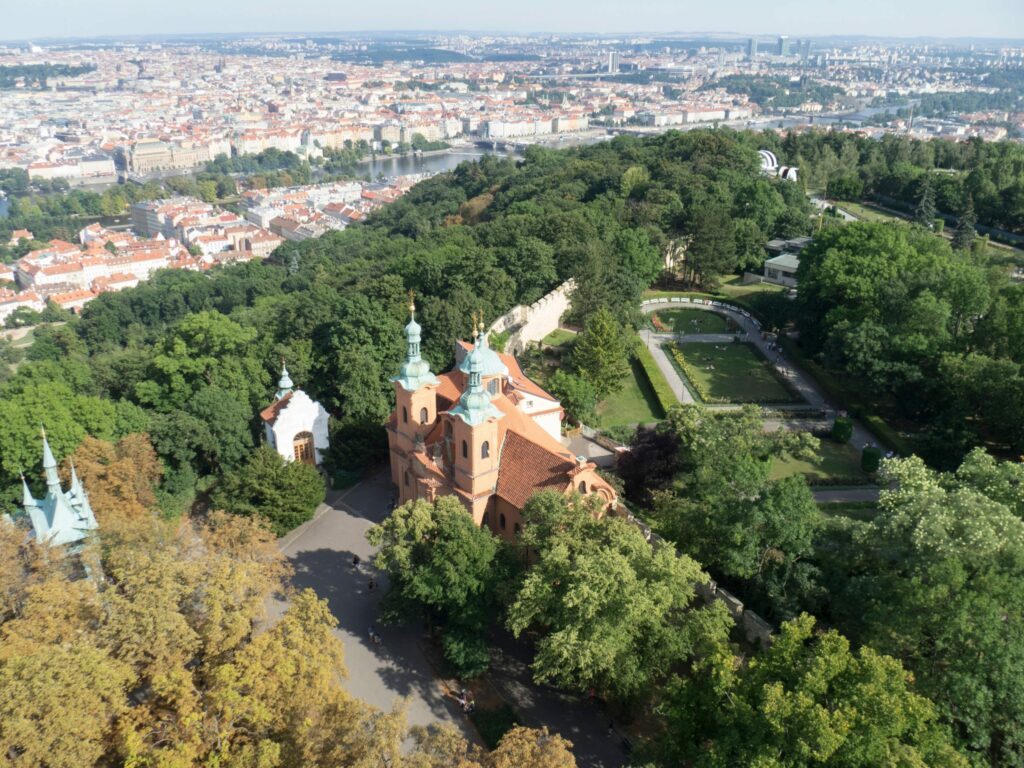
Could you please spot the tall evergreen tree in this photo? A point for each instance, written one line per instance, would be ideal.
(924, 214)
(600, 353)
(965, 234)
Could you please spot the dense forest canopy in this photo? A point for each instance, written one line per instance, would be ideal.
(848, 166)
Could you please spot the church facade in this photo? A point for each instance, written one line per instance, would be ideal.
(482, 432)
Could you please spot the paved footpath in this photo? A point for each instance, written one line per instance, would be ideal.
(321, 552)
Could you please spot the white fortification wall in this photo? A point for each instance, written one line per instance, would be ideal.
(534, 322)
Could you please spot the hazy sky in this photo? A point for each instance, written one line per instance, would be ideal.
(25, 19)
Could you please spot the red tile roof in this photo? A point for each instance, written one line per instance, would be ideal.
(272, 411)
(527, 468)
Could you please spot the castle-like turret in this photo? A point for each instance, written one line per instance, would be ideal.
(59, 517)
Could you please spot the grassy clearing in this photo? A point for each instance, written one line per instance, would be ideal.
(732, 373)
(865, 511)
(865, 213)
(634, 403)
(836, 462)
(559, 337)
(693, 321)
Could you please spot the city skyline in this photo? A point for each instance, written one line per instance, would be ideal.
(911, 19)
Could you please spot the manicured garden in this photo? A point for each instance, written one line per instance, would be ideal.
(633, 403)
(836, 463)
(730, 373)
(690, 321)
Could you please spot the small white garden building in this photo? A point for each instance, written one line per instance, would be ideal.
(295, 424)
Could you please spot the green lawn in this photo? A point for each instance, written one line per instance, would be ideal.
(865, 511)
(559, 337)
(730, 288)
(865, 213)
(693, 321)
(633, 403)
(834, 461)
(733, 290)
(732, 373)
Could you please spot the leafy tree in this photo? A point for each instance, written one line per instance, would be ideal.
(806, 701)
(712, 249)
(965, 234)
(225, 437)
(750, 245)
(121, 477)
(205, 348)
(617, 613)
(935, 580)
(531, 748)
(924, 213)
(600, 354)
(651, 463)
(445, 569)
(726, 512)
(577, 395)
(284, 493)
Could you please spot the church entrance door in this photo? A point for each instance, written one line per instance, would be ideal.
(303, 448)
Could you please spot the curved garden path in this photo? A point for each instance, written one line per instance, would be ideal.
(750, 331)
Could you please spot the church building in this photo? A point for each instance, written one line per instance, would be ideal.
(482, 432)
(296, 425)
(60, 517)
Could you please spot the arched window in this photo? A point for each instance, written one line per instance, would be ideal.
(424, 415)
(465, 449)
(517, 528)
(501, 521)
(583, 486)
(448, 430)
(485, 450)
(407, 477)
(492, 386)
(486, 522)
(405, 415)
(302, 448)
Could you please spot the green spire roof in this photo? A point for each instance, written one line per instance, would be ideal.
(415, 371)
(475, 406)
(490, 362)
(50, 466)
(284, 384)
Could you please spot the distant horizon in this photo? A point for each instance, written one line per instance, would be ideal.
(996, 20)
(723, 36)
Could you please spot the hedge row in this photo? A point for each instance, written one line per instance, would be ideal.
(666, 397)
(847, 400)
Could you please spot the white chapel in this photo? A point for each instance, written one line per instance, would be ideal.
(295, 424)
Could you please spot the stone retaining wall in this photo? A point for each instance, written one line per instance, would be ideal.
(526, 324)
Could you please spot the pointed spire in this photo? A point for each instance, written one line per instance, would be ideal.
(415, 371)
(26, 495)
(50, 465)
(284, 384)
(76, 485)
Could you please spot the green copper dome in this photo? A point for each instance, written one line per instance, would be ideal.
(475, 406)
(490, 362)
(415, 371)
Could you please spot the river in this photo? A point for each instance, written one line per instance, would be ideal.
(430, 163)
